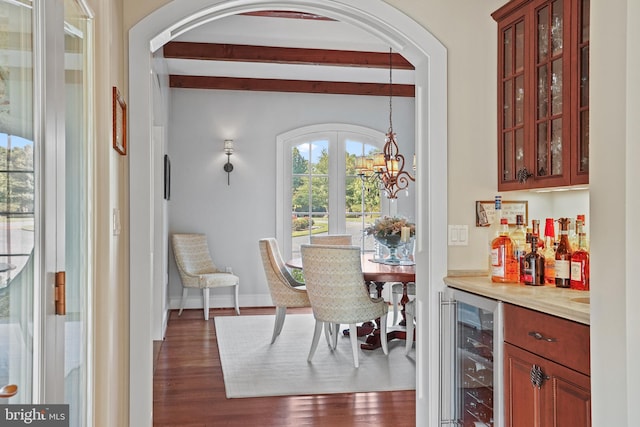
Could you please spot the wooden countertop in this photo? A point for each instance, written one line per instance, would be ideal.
(566, 303)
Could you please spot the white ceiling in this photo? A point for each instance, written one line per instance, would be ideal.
(285, 32)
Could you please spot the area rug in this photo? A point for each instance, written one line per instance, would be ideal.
(253, 367)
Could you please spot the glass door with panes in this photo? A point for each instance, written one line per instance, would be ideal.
(44, 169)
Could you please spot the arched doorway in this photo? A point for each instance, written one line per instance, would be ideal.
(418, 46)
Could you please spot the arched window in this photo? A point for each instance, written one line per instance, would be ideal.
(319, 191)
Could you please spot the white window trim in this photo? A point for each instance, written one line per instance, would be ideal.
(337, 133)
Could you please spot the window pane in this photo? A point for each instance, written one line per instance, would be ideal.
(541, 150)
(508, 48)
(556, 147)
(556, 87)
(508, 173)
(16, 199)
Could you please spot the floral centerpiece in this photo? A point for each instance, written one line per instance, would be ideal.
(392, 231)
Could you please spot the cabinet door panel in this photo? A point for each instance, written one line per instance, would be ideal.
(567, 397)
(563, 399)
(522, 399)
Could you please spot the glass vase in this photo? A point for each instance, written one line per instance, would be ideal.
(392, 242)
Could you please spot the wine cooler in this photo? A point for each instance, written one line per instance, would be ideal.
(471, 360)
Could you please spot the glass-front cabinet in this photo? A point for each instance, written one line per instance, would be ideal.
(543, 93)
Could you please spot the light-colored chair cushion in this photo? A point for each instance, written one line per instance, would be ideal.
(197, 269)
(335, 284)
(285, 290)
(330, 239)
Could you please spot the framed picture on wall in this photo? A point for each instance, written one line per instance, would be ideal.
(119, 123)
(167, 177)
(486, 213)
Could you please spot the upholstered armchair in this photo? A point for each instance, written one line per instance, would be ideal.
(197, 269)
(335, 284)
(285, 290)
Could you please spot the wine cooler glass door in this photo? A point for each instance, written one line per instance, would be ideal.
(473, 379)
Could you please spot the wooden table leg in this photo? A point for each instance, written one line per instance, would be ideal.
(403, 301)
(373, 340)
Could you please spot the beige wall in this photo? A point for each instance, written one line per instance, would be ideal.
(468, 32)
(111, 291)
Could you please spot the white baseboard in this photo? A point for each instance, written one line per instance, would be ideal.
(194, 300)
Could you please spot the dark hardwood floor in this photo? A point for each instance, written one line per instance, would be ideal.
(188, 388)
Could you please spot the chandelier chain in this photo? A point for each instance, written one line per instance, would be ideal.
(390, 90)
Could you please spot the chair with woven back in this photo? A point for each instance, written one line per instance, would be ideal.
(330, 239)
(335, 284)
(285, 290)
(197, 269)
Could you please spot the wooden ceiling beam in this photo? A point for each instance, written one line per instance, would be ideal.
(301, 86)
(283, 55)
(288, 14)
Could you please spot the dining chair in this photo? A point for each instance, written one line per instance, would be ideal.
(410, 312)
(335, 284)
(396, 294)
(197, 269)
(331, 239)
(285, 290)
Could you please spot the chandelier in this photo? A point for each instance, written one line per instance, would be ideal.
(387, 167)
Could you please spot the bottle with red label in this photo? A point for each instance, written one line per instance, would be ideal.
(580, 262)
(504, 266)
(563, 256)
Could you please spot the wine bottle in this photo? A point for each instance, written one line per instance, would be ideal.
(533, 266)
(519, 237)
(549, 252)
(494, 227)
(563, 256)
(580, 263)
(504, 266)
(535, 230)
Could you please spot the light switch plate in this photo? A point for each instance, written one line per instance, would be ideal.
(458, 235)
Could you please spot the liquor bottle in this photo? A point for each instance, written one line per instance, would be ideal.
(549, 252)
(494, 227)
(563, 256)
(573, 237)
(580, 263)
(527, 249)
(535, 230)
(504, 266)
(519, 237)
(533, 270)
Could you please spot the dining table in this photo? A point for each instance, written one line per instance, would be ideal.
(377, 273)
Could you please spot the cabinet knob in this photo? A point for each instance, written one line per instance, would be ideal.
(537, 376)
(523, 175)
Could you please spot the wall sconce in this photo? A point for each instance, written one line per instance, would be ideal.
(228, 150)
